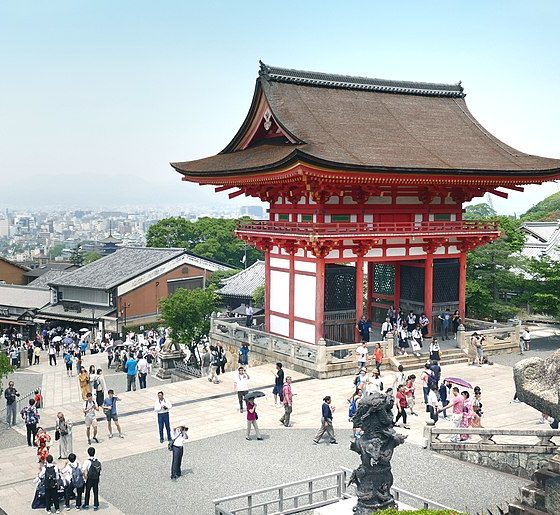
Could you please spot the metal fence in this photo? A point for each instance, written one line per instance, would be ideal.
(21, 402)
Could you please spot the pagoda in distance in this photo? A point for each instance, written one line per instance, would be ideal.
(362, 175)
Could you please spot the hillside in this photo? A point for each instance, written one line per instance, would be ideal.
(547, 210)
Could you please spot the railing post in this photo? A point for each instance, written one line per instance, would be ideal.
(321, 360)
(249, 505)
(281, 499)
(310, 492)
(461, 337)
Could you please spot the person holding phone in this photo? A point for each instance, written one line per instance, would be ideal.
(162, 407)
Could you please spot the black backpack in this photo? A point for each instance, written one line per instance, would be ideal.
(94, 470)
(50, 478)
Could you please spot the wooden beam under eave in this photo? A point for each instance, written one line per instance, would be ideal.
(217, 189)
(514, 188)
(498, 193)
(236, 193)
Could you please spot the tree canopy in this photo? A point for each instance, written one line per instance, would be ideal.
(92, 256)
(546, 210)
(5, 368)
(478, 211)
(187, 313)
(211, 238)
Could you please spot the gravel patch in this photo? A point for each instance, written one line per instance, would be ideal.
(228, 464)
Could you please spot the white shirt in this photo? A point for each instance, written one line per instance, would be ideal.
(374, 385)
(417, 334)
(432, 399)
(386, 327)
(179, 438)
(362, 353)
(526, 336)
(42, 473)
(142, 366)
(67, 471)
(87, 465)
(159, 405)
(241, 382)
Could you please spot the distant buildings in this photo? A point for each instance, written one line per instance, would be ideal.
(541, 239)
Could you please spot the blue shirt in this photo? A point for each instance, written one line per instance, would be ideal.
(327, 413)
(83, 347)
(112, 403)
(131, 367)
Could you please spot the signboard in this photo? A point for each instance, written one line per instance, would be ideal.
(72, 305)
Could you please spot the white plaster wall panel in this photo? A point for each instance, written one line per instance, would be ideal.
(396, 252)
(327, 219)
(348, 253)
(280, 263)
(453, 250)
(284, 252)
(449, 200)
(275, 250)
(374, 253)
(279, 201)
(396, 241)
(453, 217)
(333, 200)
(368, 218)
(431, 218)
(348, 200)
(304, 332)
(279, 291)
(301, 200)
(347, 243)
(353, 218)
(305, 266)
(279, 325)
(311, 201)
(418, 218)
(416, 251)
(304, 296)
(379, 200)
(300, 253)
(440, 250)
(436, 200)
(333, 254)
(408, 200)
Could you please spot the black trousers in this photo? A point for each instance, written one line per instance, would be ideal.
(401, 414)
(31, 433)
(177, 460)
(142, 379)
(68, 494)
(51, 497)
(52, 357)
(89, 486)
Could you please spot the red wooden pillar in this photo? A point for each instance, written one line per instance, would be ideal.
(291, 294)
(370, 286)
(462, 284)
(267, 290)
(397, 287)
(359, 294)
(320, 299)
(429, 289)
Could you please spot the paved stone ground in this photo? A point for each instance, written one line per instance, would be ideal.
(228, 464)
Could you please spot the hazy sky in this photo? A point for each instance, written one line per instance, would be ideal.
(104, 88)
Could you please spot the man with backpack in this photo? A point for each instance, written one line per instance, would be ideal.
(92, 471)
(30, 416)
(50, 476)
(74, 479)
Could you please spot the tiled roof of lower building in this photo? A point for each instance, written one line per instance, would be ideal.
(245, 282)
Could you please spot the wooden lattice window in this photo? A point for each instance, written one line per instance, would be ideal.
(384, 279)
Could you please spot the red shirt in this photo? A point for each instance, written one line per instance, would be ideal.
(401, 398)
(251, 406)
(378, 353)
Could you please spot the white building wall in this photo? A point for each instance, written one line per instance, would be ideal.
(279, 325)
(279, 291)
(304, 332)
(304, 296)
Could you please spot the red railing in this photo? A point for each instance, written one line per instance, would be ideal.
(368, 228)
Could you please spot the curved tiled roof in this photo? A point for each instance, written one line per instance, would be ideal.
(357, 123)
(245, 282)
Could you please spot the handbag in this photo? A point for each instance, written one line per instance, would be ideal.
(57, 435)
(170, 444)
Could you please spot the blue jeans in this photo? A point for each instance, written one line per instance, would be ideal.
(163, 420)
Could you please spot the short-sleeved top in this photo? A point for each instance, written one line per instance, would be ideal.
(279, 380)
(362, 353)
(250, 406)
(401, 399)
(112, 403)
(432, 398)
(457, 402)
(131, 367)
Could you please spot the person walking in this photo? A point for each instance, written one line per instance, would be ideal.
(435, 351)
(110, 409)
(252, 418)
(362, 355)
(30, 416)
(241, 385)
(11, 395)
(214, 365)
(445, 318)
(52, 355)
(433, 403)
(73, 479)
(402, 404)
(50, 475)
(278, 383)
(409, 391)
(142, 367)
(364, 328)
(162, 407)
(91, 470)
(287, 401)
(456, 403)
(43, 442)
(67, 357)
(378, 357)
(180, 436)
(131, 369)
(30, 353)
(326, 422)
(426, 377)
(83, 379)
(525, 341)
(206, 357)
(249, 311)
(90, 418)
(386, 328)
(100, 387)
(36, 354)
(63, 429)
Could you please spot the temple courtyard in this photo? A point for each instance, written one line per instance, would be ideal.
(219, 461)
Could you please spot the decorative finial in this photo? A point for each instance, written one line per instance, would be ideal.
(264, 68)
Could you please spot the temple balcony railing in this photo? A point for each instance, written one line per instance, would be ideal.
(357, 230)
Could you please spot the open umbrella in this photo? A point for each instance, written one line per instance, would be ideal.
(254, 395)
(56, 339)
(68, 341)
(241, 310)
(84, 330)
(458, 381)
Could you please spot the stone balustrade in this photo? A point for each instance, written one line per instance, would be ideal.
(497, 337)
(516, 451)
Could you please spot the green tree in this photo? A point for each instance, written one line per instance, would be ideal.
(5, 368)
(211, 238)
(218, 277)
(56, 250)
(546, 210)
(187, 313)
(92, 256)
(478, 212)
(77, 256)
(543, 290)
(259, 296)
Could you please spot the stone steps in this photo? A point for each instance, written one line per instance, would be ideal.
(412, 362)
(534, 497)
(521, 509)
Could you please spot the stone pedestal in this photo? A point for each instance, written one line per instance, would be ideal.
(168, 362)
(23, 362)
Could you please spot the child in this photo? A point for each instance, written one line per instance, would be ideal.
(409, 391)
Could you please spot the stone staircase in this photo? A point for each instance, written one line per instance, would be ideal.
(543, 495)
(411, 362)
